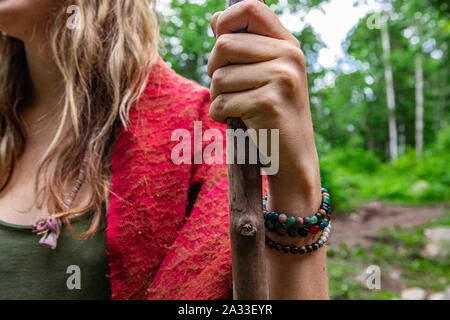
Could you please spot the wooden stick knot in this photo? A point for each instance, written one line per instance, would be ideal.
(247, 229)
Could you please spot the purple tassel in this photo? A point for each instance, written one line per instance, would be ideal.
(50, 230)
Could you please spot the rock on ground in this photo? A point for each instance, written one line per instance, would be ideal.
(413, 294)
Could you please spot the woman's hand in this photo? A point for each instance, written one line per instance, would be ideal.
(260, 77)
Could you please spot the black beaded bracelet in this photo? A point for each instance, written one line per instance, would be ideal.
(303, 249)
(299, 226)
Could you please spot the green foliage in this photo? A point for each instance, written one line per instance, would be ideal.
(353, 110)
(188, 38)
(397, 250)
(355, 175)
(350, 113)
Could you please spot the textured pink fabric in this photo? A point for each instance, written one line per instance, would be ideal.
(156, 252)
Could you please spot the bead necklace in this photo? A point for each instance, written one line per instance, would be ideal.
(50, 228)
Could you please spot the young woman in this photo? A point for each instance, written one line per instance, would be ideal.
(87, 111)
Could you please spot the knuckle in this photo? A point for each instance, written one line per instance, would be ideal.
(219, 102)
(224, 42)
(296, 42)
(213, 92)
(296, 54)
(251, 6)
(217, 107)
(214, 18)
(268, 102)
(210, 66)
(213, 112)
(218, 77)
(286, 75)
(301, 58)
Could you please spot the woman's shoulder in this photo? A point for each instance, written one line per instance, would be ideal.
(167, 91)
(169, 103)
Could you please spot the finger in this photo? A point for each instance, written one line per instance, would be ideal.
(213, 22)
(238, 78)
(286, 76)
(252, 16)
(231, 105)
(234, 49)
(244, 105)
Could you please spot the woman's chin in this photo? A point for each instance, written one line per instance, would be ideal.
(17, 17)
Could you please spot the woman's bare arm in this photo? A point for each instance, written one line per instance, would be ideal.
(260, 77)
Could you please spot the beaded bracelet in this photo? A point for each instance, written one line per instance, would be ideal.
(294, 226)
(303, 249)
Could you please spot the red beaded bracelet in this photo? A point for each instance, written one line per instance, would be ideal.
(299, 226)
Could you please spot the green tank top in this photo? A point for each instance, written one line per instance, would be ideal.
(74, 270)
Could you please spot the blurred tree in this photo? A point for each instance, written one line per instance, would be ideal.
(188, 38)
(423, 33)
(420, 78)
(390, 91)
(349, 103)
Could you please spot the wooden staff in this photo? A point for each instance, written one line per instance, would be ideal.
(246, 223)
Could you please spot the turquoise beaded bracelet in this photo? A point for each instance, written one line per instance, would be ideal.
(302, 249)
(299, 226)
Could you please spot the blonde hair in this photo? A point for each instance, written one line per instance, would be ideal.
(105, 64)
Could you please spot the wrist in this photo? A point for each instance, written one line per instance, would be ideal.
(295, 193)
(300, 197)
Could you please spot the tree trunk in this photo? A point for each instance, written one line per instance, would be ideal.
(401, 139)
(443, 88)
(390, 93)
(419, 104)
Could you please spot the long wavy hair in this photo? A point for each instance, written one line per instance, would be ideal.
(105, 64)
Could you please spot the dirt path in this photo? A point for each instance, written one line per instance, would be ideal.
(361, 227)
